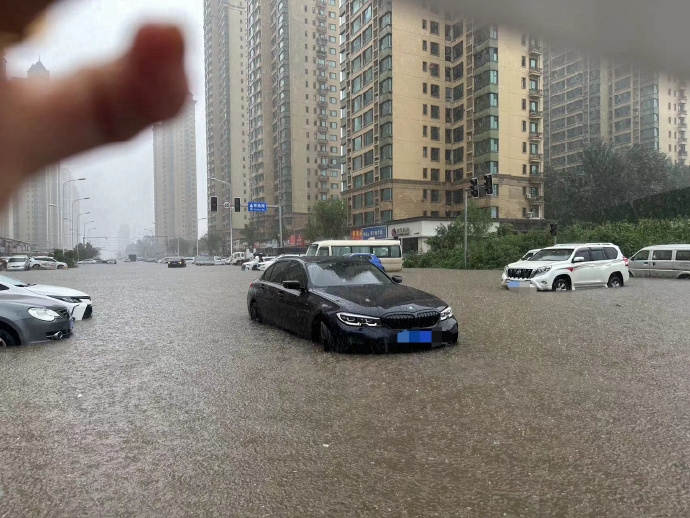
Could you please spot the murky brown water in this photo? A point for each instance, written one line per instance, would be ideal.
(170, 402)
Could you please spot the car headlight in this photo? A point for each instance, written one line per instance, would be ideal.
(446, 313)
(71, 300)
(47, 315)
(358, 320)
(542, 269)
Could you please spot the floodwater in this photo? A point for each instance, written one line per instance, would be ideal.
(171, 402)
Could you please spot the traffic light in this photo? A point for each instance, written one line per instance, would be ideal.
(488, 184)
(474, 188)
(554, 229)
(237, 204)
(214, 203)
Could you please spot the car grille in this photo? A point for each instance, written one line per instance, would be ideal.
(406, 321)
(519, 273)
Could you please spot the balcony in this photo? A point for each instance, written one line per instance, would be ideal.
(535, 135)
(536, 177)
(322, 104)
(321, 137)
(682, 96)
(535, 71)
(536, 92)
(322, 116)
(321, 53)
(321, 17)
(682, 153)
(535, 114)
(682, 123)
(321, 78)
(682, 138)
(321, 29)
(323, 153)
(536, 47)
(534, 198)
(682, 111)
(535, 157)
(322, 66)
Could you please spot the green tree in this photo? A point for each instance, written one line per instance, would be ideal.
(327, 220)
(87, 251)
(211, 242)
(251, 234)
(453, 236)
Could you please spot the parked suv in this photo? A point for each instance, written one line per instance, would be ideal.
(569, 266)
(46, 263)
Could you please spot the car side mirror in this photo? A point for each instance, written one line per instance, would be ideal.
(579, 260)
(292, 285)
(397, 279)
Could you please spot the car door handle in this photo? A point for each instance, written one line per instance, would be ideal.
(653, 264)
(281, 294)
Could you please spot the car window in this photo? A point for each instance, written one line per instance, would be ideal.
(610, 252)
(295, 272)
(662, 255)
(278, 275)
(3, 287)
(323, 251)
(584, 253)
(340, 273)
(642, 255)
(597, 254)
(553, 254)
(683, 255)
(267, 274)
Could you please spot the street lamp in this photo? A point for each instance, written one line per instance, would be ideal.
(87, 232)
(229, 198)
(79, 216)
(62, 208)
(197, 235)
(73, 202)
(84, 234)
(48, 233)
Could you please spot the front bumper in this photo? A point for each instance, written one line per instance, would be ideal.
(540, 282)
(384, 339)
(34, 331)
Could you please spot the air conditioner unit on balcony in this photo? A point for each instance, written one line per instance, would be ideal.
(529, 196)
(530, 215)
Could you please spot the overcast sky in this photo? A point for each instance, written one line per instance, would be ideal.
(120, 177)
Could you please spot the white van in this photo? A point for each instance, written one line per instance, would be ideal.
(388, 250)
(662, 261)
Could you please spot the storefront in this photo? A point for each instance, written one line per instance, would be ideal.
(414, 232)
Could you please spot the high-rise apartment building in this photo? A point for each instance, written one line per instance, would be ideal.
(226, 148)
(174, 171)
(293, 102)
(35, 215)
(430, 101)
(588, 98)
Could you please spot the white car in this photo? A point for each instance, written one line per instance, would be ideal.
(235, 258)
(46, 263)
(268, 261)
(78, 303)
(254, 263)
(218, 261)
(570, 266)
(18, 263)
(530, 253)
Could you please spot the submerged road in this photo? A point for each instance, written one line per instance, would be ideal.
(171, 402)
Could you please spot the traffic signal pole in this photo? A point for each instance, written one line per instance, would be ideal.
(465, 248)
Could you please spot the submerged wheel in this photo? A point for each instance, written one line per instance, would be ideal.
(615, 281)
(326, 338)
(561, 284)
(254, 312)
(6, 339)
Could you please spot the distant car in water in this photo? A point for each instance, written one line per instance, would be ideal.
(18, 263)
(111, 261)
(26, 320)
(46, 263)
(176, 262)
(189, 260)
(346, 302)
(204, 260)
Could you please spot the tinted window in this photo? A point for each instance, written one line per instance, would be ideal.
(584, 254)
(340, 250)
(278, 275)
(295, 272)
(553, 254)
(662, 255)
(683, 255)
(610, 252)
(345, 274)
(267, 274)
(642, 255)
(3, 287)
(597, 254)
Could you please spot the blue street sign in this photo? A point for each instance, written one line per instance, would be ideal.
(256, 206)
(375, 232)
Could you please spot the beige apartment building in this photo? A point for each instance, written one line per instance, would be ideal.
(174, 171)
(293, 109)
(226, 124)
(588, 98)
(431, 100)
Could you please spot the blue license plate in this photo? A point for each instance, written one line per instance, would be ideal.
(519, 284)
(71, 324)
(415, 337)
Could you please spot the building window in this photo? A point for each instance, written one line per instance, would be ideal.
(425, 88)
(424, 47)
(435, 133)
(425, 173)
(386, 216)
(435, 91)
(434, 28)
(524, 61)
(425, 66)
(425, 152)
(435, 112)
(435, 198)
(435, 154)
(435, 49)
(387, 172)
(425, 109)
(524, 147)
(434, 70)
(524, 126)
(435, 175)
(524, 83)
(425, 131)
(524, 104)
(424, 24)
(386, 194)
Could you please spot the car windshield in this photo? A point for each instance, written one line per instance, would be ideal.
(552, 254)
(343, 273)
(16, 260)
(13, 282)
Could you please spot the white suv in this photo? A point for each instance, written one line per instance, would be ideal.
(569, 266)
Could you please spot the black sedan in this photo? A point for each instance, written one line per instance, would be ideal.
(348, 303)
(176, 262)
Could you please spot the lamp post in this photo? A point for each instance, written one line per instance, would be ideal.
(84, 234)
(229, 199)
(79, 216)
(152, 241)
(197, 235)
(87, 232)
(48, 236)
(77, 227)
(62, 206)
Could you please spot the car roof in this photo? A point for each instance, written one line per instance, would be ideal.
(324, 259)
(665, 247)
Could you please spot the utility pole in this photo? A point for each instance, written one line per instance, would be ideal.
(229, 198)
(465, 248)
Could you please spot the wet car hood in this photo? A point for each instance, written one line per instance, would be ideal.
(59, 291)
(376, 299)
(533, 265)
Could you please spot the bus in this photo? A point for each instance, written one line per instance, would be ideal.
(388, 250)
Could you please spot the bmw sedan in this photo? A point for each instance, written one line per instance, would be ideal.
(348, 303)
